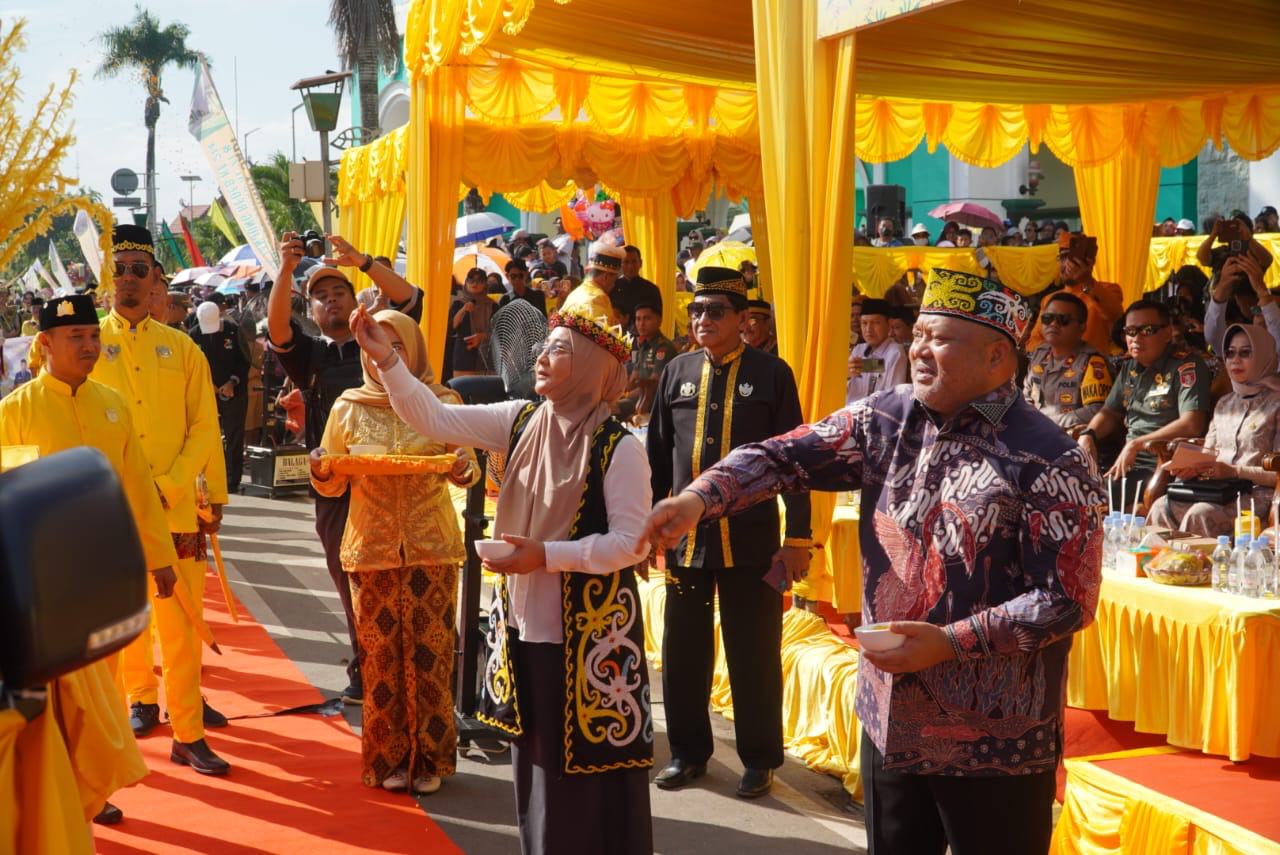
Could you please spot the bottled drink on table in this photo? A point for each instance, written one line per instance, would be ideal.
(1251, 570)
(1237, 561)
(1221, 559)
(1109, 541)
(1136, 532)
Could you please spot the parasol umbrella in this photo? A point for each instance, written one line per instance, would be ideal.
(968, 214)
(741, 221)
(212, 279)
(726, 253)
(241, 253)
(481, 226)
(189, 275)
(488, 259)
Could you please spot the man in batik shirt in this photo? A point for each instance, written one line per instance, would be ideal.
(981, 543)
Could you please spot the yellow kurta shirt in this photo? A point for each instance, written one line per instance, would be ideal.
(165, 382)
(45, 413)
(395, 520)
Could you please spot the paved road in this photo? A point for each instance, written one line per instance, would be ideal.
(277, 571)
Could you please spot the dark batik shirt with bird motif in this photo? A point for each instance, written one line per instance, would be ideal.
(988, 524)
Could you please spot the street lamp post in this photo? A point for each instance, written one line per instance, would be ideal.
(293, 129)
(191, 180)
(322, 96)
(245, 146)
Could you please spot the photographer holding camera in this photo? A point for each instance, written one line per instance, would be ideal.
(1239, 293)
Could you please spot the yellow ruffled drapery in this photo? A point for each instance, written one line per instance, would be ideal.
(1117, 201)
(1025, 269)
(1168, 254)
(844, 556)
(371, 196)
(649, 223)
(1196, 665)
(1103, 812)
(805, 89)
(819, 682)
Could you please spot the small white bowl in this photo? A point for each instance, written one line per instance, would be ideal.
(878, 638)
(368, 449)
(494, 549)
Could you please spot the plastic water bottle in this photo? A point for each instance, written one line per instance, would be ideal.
(1221, 559)
(1251, 570)
(1237, 562)
(1136, 532)
(1267, 578)
(1109, 541)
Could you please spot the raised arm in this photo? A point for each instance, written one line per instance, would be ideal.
(395, 286)
(278, 308)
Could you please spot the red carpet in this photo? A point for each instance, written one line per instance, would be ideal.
(294, 785)
(1247, 794)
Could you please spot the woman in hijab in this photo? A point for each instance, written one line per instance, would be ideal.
(1245, 426)
(401, 551)
(469, 325)
(567, 679)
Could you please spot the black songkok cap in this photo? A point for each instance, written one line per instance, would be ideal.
(76, 310)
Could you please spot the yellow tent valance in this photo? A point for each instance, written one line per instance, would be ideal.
(1168, 254)
(1025, 269)
(374, 171)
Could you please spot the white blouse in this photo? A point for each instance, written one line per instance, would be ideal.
(536, 597)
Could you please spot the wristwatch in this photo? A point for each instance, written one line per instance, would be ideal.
(368, 262)
(1089, 432)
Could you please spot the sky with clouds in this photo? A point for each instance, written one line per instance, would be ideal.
(257, 50)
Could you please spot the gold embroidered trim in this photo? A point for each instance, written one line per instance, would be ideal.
(132, 246)
(699, 437)
(730, 392)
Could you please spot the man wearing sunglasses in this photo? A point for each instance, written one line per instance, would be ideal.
(1067, 379)
(165, 381)
(1161, 392)
(709, 402)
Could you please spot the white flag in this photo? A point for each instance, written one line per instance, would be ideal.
(44, 274)
(59, 272)
(209, 125)
(87, 233)
(30, 282)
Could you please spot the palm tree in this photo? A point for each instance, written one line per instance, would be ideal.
(142, 46)
(286, 214)
(367, 38)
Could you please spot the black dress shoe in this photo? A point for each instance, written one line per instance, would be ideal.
(143, 718)
(353, 694)
(213, 718)
(109, 815)
(199, 756)
(679, 773)
(755, 783)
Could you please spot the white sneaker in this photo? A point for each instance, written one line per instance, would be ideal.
(425, 785)
(397, 781)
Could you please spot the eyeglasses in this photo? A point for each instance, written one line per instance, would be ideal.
(714, 311)
(1238, 353)
(1053, 318)
(551, 349)
(1144, 330)
(137, 268)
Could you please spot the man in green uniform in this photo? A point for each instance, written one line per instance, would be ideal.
(650, 353)
(1067, 379)
(1161, 392)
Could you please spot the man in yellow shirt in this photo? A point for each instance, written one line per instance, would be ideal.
(61, 409)
(165, 382)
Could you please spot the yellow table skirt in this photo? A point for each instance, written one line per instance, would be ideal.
(1103, 812)
(1193, 664)
(844, 556)
(819, 678)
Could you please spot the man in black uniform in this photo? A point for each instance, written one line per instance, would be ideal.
(709, 402)
(223, 345)
(632, 289)
(324, 367)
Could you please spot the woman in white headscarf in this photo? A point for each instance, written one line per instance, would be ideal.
(1245, 426)
(567, 680)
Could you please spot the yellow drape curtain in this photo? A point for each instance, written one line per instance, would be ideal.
(1025, 269)
(371, 196)
(1106, 812)
(542, 198)
(805, 91)
(1117, 204)
(649, 222)
(1168, 254)
(437, 111)
(760, 237)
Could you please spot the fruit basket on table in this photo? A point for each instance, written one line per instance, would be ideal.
(1172, 567)
(387, 464)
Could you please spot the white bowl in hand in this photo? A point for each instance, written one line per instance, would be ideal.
(494, 549)
(877, 637)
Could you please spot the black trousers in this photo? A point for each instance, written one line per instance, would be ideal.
(751, 626)
(602, 814)
(923, 814)
(231, 415)
(331, 522)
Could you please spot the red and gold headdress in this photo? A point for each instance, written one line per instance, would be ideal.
(587, 311)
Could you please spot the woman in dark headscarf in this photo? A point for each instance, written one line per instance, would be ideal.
(1245, 426)
(469, 318)
(567, 679)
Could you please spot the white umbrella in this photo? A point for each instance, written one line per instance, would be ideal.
(238, 254)
(188, 275)
(479, 227)
(211, 278)
(742, 221)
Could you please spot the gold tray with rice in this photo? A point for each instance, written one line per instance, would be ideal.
(388, 464)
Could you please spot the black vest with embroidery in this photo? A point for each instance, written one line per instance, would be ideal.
(608, 720)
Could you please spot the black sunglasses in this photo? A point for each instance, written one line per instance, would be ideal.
(1144, 330)
(137, 268)
(1054, 318)
(714, 311)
